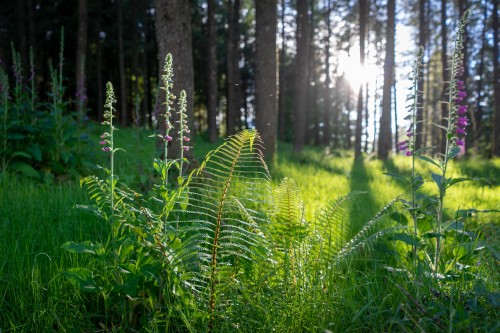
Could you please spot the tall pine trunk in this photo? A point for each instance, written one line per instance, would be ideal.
(444, 68)
(301, 70)
(385, 135)
(121, 63)
(233, 68)
(265, 73)
(173, 35)
(363, 9)
(282, 79)
(496, 81)
(422, 38)
(81, 54)
(212, 72)
(327, 133)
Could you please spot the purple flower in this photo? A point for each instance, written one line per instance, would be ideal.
(462, 94)
(103, 142)
(168, 138)
(462, 110)
(460, 142)
(106, 149)
(460, 131)
(186, 148)
(186, 139)
(409, 153)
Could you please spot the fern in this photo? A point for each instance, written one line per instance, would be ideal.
(221, 226)
(288, 221)
(332, 225)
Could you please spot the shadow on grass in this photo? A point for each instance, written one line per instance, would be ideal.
(364, 206)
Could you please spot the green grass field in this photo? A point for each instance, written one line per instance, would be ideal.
(37, 218)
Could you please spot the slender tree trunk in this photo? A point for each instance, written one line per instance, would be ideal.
(367, 118)
(23, 43)
(146, 71)
(395, 105)
(282, 81)
(121, 62)
(100, 85)
(496, 81)
(477, 115)
(302, 68)
(444, 67)
(265, 73)
(422, 38)
(173, 35)
(81, 54)
(212, 72)
(233, 67)
(363, 9)
(327, 133)
(384, 141)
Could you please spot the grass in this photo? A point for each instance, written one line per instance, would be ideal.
(36, 218)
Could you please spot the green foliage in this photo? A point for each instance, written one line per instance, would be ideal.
(39, 140)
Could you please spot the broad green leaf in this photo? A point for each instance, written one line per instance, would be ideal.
(83, 278)
(399, 218)
(428, 159)
(438, 179)
(397, 177)
(405, 238)
(83, 247)
(453, 152)
(26, 169)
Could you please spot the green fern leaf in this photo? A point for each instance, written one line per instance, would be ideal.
(229, 201)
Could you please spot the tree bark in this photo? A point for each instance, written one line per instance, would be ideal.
(496, 81)
(173, 35)
(233, 68)
(100, 85)
(282, 81)
(422, 41)
(385, 136)
(444, 68)
(265, 73)
(212, 72)
(327, 133)
(363, 8)
(301, 68)
(121, 61)
(81, 55)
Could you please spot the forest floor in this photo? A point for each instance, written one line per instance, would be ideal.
(37, 218)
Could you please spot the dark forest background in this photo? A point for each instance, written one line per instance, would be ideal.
(273, 65)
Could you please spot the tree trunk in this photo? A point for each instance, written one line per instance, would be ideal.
(422, 38)
(233, 67)
(477, 115)
(363, 8)
(496, 81)
(81, 54)
(385, 136)
(282, 79)
(121, 61)
(146, 71)
(23, 44)
(327, 133)
(100, 85)
(265, 73)
(212, 72)
(301, 69)
(173, 35)
(444, 68)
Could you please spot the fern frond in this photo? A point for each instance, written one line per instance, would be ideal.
(288, 224)
(333, 227)
(368, 235)
(221, 227)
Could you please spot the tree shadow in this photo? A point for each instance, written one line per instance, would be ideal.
(364, 206)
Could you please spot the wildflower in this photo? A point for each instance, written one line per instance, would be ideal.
(106, 149)
(104, 135)
(103, 142)
(185, 148)
(187, 139)
(168, 138)
(409, 153)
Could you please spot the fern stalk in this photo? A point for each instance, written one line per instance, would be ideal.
(213, 261)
